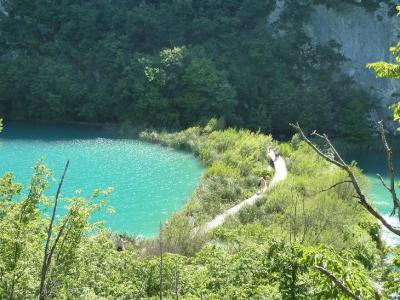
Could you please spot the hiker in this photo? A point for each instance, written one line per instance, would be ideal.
(277, 153)
(120, 243)
(191, 219)
(138, 240)
(263, 183)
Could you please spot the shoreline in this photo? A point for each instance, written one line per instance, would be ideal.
(117, 130)
(128, 131)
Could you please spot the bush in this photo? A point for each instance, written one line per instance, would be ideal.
(286, 149)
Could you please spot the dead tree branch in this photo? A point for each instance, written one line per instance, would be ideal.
(389, 155)
(335, 185)
(47, 254)
(383, 182)
(338, 161)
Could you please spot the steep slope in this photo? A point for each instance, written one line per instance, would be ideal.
(365, 37)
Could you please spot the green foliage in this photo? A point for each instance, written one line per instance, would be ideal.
(234, 160)
(222, 169)
(392, 273)
(345, 267)
(385, 69)
(269, 172)
(24, 223)
(355, 121)
(296, 210)
(304, 209)
(170, 64)
(167, 88)
(286, 149)
(270, 251)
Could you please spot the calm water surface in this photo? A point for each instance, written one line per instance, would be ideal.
(150, 182)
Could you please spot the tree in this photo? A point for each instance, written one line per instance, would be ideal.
(166, 89)
(335, 159)
(26, 236)
(355, 121)
(103, 61)
(382, 69)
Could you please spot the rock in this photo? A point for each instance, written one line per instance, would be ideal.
(365, 37)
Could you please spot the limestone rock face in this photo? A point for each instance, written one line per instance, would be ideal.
(365, 37)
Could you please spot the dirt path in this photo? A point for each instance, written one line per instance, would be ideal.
(280, 175)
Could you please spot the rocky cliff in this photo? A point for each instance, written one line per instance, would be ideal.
(365, 37)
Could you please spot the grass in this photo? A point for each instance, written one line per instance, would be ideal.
(294, 211)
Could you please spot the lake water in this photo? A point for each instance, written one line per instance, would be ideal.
(373, 163)
(150, 182)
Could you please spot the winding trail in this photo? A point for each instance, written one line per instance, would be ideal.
(280, 175)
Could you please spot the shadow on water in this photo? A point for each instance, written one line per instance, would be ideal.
(20, 130)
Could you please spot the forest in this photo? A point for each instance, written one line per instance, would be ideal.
(155, 63)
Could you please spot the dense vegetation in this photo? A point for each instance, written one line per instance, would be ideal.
(175, 64)
(272, 250)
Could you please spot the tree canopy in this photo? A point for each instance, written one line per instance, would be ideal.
(171, 64)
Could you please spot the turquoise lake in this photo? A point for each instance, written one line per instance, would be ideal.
(150, 182)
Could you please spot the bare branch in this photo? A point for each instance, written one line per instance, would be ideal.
(45, 265)
(335, 185)
(329, 143)
(314, 147)
(363, 200)
(383, 182)
(389, 154)
(64, 238)
(338, 283)
(59, 234)
(334, 150)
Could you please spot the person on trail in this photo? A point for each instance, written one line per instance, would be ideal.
(277, 153)
(273, 154)
(263, 183)
(191, 219)
(120, 243)
(138, 240)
